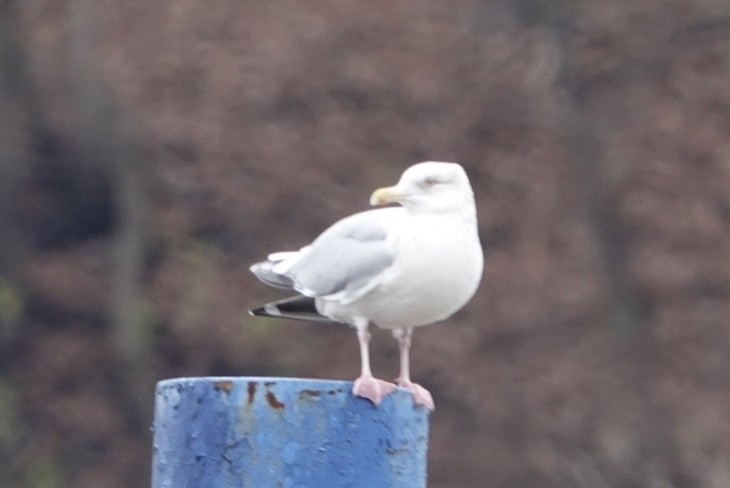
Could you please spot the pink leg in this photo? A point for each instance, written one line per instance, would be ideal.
(367, 386)
(421, 396)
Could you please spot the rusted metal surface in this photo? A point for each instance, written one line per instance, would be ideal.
(281, 432)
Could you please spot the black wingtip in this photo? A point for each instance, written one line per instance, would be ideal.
(258, 312)
(297, 308)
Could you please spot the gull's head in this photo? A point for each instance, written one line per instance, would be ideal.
(429, 187)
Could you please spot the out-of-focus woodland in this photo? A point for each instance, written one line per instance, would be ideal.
(151, 150)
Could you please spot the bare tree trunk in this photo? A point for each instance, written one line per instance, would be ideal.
(653, 441)
(130, 338)
(14, 118)
(109, 140)
(598, 195)
(16, 114)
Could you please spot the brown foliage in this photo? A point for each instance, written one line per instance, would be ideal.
(597, 136)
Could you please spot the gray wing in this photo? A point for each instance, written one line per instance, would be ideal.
(348, 257)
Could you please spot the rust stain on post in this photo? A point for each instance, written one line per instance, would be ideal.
(309, 393)
(225, 386)
(273, 402)
(251, 391)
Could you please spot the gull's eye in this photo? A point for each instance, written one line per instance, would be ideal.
(429, 182)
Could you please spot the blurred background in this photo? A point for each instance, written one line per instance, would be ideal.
(151, 151)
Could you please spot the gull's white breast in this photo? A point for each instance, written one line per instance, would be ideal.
(437, 268)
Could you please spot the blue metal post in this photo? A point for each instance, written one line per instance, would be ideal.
(284, 433)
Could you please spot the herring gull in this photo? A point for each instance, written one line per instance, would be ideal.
(396, 267)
